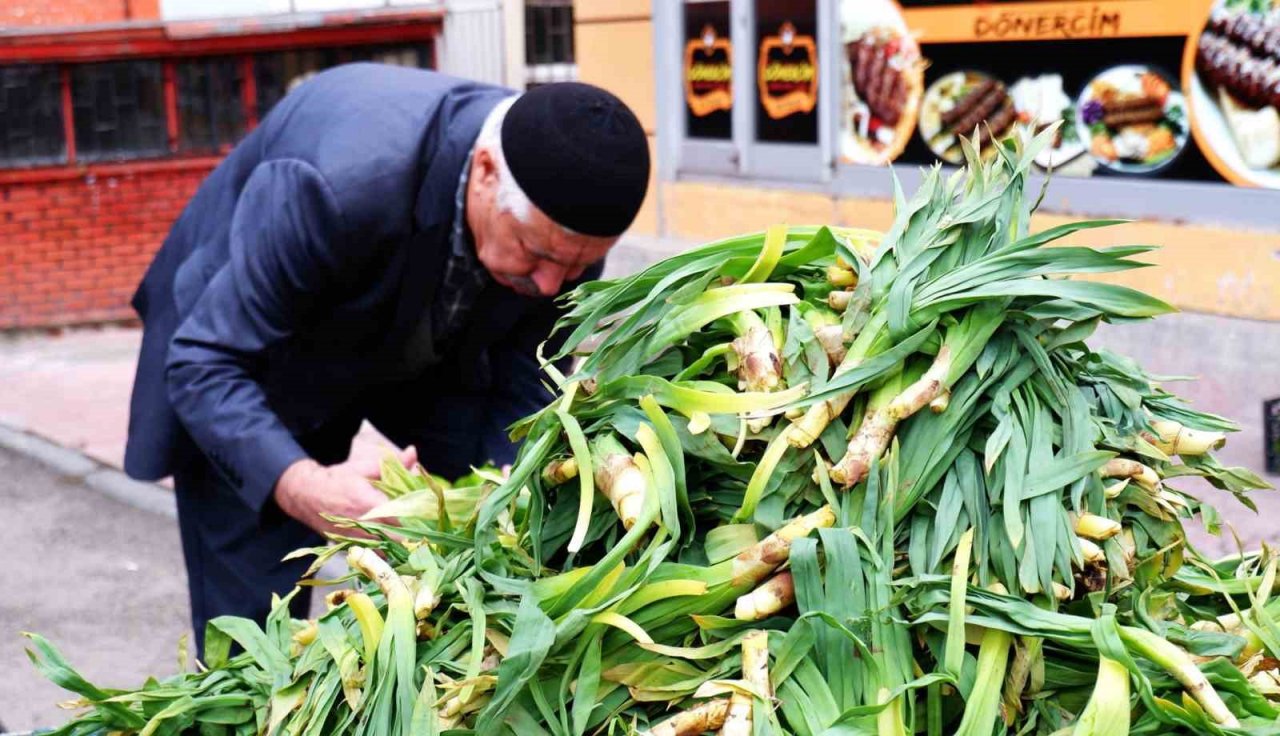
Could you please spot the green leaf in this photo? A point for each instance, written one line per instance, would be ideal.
(1109, 299)
(255, 643)
(57, 670)
(588, 687)
(424, 721)
(699, 396)
(586, 478)
(774, 240)
(664, 485)
(1060, 472)
(531, 640)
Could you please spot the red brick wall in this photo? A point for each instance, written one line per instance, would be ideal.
(73, 244)
(75, 12)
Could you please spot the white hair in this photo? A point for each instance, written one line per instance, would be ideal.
(510, 197)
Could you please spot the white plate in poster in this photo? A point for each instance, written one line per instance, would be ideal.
(1214, 135)
(1123, 77)
(1040, 99)
(945, 92)
(1219, 119)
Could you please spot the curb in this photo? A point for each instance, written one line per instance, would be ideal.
(104, 479)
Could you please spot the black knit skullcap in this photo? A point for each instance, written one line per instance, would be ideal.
(580, 155)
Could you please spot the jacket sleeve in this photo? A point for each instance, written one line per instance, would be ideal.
(519, 388)
(285, 255)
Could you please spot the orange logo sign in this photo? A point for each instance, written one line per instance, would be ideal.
(787, 73)
(708, 73)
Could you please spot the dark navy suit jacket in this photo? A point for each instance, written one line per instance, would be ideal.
(288, 299)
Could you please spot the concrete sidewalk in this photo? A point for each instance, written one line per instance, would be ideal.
(101, 580)
(72, 388)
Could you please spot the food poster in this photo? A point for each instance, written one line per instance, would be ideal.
(787, 71)
(882, 78)
(1174, 89)
(708, 70)
(1232, 73)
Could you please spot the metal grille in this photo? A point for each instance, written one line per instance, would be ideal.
(548, 32)
(210, 109)
(548, 42)
(119, 110)
(277, 73)
(31, 116)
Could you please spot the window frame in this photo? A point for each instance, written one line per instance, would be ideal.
(550, 69)
(40, 79)
(205, 96)
(144, 43)
(113, 144)
(742, 155)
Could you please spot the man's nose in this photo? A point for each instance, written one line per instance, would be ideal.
(548, 278)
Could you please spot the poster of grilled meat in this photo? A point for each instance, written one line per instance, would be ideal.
(1134, 118)
(1100, 79)
(1232, 74)
(883, 80)
(967, 104)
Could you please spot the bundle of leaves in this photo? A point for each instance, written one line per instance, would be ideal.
(815, 480)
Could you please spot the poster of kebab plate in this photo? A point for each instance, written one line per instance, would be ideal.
(1174, 89)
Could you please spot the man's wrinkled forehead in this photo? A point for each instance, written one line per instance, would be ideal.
(569, 250)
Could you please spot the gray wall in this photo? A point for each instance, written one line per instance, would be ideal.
(472, 45)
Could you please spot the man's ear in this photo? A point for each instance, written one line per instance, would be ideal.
(486, 167)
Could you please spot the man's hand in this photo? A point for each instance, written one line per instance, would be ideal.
(308, 489)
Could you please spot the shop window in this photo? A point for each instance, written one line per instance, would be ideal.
(210, 108)
(548, 42)
(31, 131)
(414, 57)
(744, 87)
(155, 108)
(786, 71)
(707, 67)
(119, 110)
(277, 73)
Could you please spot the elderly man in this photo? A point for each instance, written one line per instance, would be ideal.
(384, 246)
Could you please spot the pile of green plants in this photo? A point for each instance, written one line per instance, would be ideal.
(814, 480)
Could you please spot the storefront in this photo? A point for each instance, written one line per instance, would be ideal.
(793, 110)
(106, 130)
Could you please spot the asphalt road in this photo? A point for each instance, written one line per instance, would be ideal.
(101, 580)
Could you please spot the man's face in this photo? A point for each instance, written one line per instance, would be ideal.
(532, 258)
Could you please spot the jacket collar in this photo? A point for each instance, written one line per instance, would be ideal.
(456, 128)
(450, 136)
